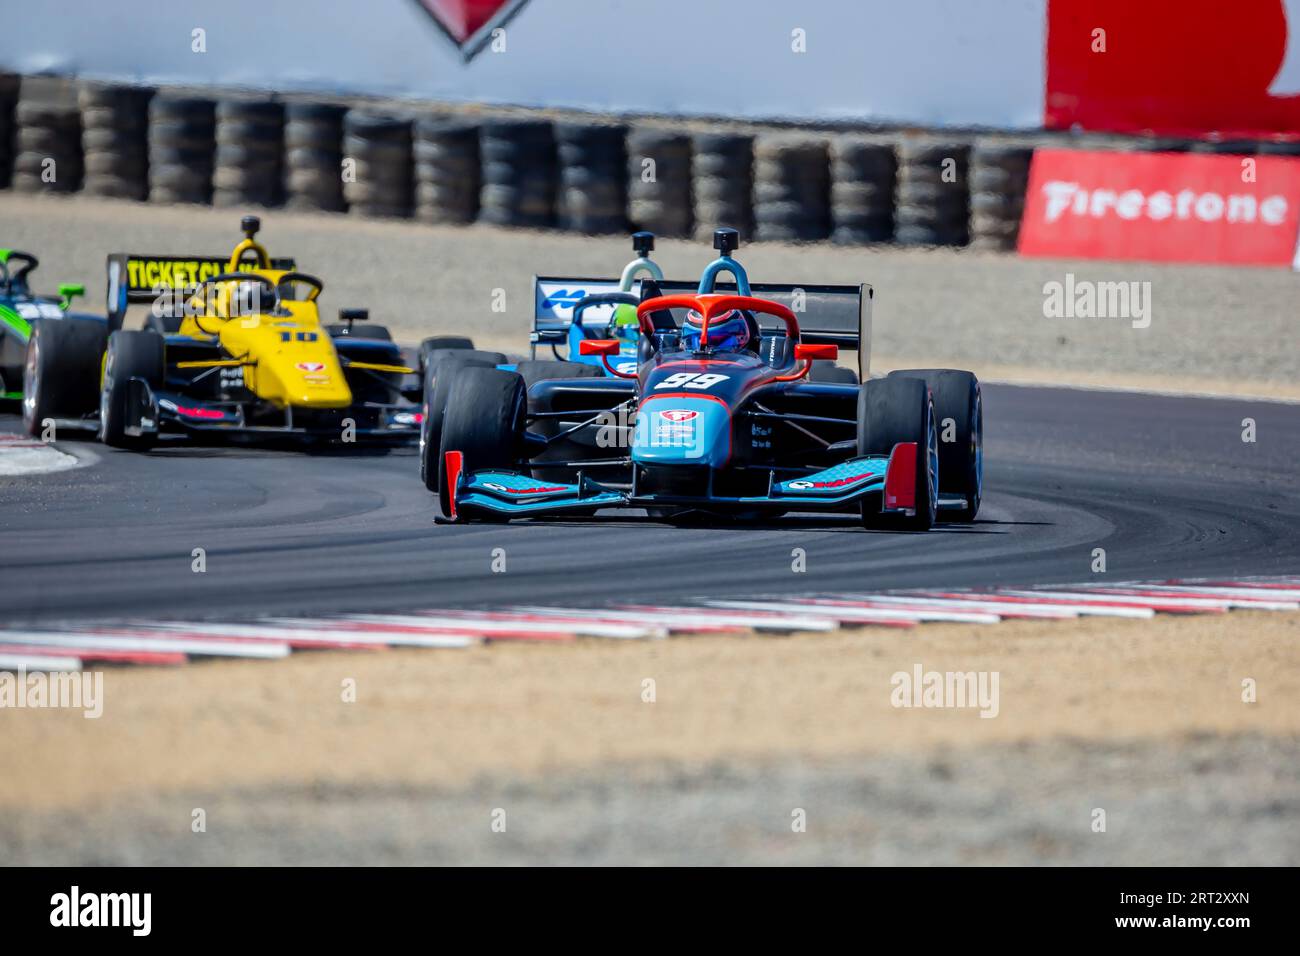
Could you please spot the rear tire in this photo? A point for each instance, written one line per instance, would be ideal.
(130, 355)
(831, 374)
(956, 395)
(61, 372)
(435, 344)
(893, 410)
(374, 332)
(439, 376)
(537, 370)
(485, 423)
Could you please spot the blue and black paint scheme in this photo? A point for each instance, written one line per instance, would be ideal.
(738, 432)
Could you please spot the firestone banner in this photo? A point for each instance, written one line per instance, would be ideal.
(1163, 207)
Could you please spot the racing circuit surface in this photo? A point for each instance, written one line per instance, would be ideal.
(1165, 485)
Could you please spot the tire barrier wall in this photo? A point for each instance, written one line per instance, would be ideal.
(447, 171)
(9, 85)
(250, 154)
(593, 177)
(313, 157)
(182, 149)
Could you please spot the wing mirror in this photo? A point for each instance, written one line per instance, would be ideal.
(598, 347)
(70, 291)
(810, 352)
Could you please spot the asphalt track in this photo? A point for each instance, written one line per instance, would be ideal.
(1165, 485)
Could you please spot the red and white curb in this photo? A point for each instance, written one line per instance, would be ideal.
(176, 642)
(24, 455)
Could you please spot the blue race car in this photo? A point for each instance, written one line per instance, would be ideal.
(713, 414)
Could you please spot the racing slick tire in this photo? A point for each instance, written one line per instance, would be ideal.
(959, 417)
(539, 370)
(439, 343)
(484, 421)
(340, 330)
(832, 374)
(439, 375)
(130, 355)
(61, 373)
(893, 410)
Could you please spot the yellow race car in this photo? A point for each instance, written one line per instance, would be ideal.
(230, 346)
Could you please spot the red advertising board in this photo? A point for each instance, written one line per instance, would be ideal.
(1181, 67)
(1174, 207)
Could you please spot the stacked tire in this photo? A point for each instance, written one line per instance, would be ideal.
(9, 86)
(114, 140)
(593, 178)
(182, 143)
(1279, 147)
(791, 189)
(48, 148)
(999, 179)
(932, 199)
(722, 182)
(447, 180)
(377, 173)
(862, 191)
(519, 173)
(313, 157)
(659, 181)
(250, 153)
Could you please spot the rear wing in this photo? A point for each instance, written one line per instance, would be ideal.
(828, 314)
(134, 278)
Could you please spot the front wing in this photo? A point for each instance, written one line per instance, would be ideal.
(499, 493)
(153, 412)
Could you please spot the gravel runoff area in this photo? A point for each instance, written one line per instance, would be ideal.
(1220, 330)
(1144, 720)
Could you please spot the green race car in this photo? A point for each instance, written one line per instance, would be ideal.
(20, 310)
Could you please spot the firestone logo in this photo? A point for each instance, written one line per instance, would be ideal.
(1186, 204)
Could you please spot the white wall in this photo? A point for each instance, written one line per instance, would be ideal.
(921, 62)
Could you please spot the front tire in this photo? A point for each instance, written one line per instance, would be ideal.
(485, 423)
(959, 409)
(61, 371)
(894, 410)
(439, 382)
(130, 355)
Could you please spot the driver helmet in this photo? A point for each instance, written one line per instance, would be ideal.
(624, 325)
(728, 331)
